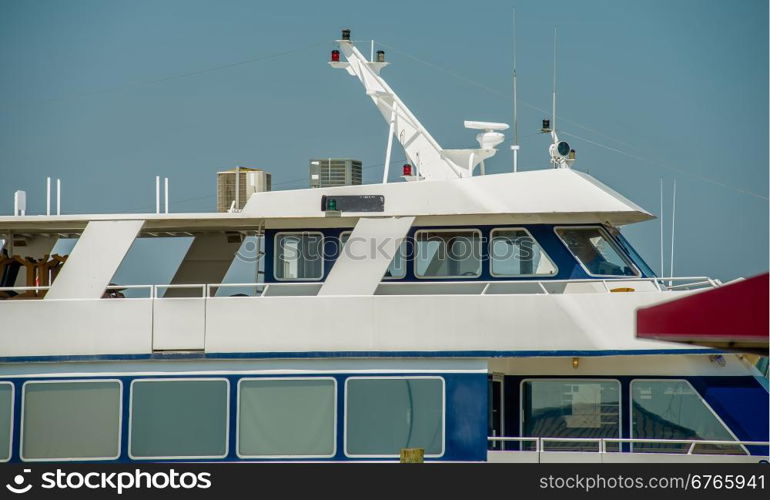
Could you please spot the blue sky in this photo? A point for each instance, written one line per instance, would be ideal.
(108, 94)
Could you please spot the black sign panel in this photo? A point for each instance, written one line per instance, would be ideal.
(353, 203)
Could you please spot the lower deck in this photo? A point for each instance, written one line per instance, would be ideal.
(598, 409)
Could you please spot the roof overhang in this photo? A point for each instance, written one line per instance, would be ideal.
(733, 316)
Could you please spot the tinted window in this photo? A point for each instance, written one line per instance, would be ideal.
(595, 251)
(286, 417)
(71, 420)
(448, 254)
(179, 418)
(514, 252)
(386, 415)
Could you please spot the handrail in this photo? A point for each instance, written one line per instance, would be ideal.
(602, 443)
(201, 286)
(485, 287)
(517, 440)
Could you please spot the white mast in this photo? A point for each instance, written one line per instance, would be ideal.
(515, 146)
(429, 159)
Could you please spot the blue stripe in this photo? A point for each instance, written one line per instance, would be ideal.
(353, 354)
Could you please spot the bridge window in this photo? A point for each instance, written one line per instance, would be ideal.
(299, 256)
(448, 254)
(397, 267)
(287, 417)
(671, 410)
(384, 415)
(571, 408)
(66, 420)
(6, 420)
(596, 252)
(181, 418)
(514, 252)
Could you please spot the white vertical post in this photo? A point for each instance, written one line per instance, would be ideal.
(390, 144)
(48, 196)
(165, 192)
(371, 52)
(515, 146)
(157, 194)
(673, 226)
(515, 149)
(19, 203)
(58, 196)
(662, 265)
(482, 168)
(553, 92)
(238, 189)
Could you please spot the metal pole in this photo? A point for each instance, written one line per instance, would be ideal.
(390, 144)
(48, 196)
(58, 196)
(157, 194)
(662, 265)
(165, 192)
(237, 189)
(673, 226)
(515, 146)
(553, 94)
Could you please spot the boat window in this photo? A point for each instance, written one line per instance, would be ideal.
(570, 408)
(448, 254)
(6, 420)
(673, 409)
(384, 415)
(596, 252)
(514, 252)
(397, 267)
(71, 420)
(287, 417)
(299, 256)
(182, 418)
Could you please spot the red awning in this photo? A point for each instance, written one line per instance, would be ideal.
(733, 316)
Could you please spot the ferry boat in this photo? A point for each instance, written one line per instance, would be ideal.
(475, 317)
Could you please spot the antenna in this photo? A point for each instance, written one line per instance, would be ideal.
(673, 222)
(515, 146)
(553, 91)
(662, 265)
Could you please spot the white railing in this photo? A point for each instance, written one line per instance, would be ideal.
(469, 287)
(688, 445)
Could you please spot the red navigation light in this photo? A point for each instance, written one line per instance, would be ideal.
(407, 170)
(335, 56)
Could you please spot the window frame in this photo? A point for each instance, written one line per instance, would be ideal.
(619, 250)
(276, 253)
(178, 379)
(238, 419)
(67, 381)
(11, 427)
(567, 379)
(396, 377)
(542, 250)
(702, 399)
(475, 230)
(389, 278)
